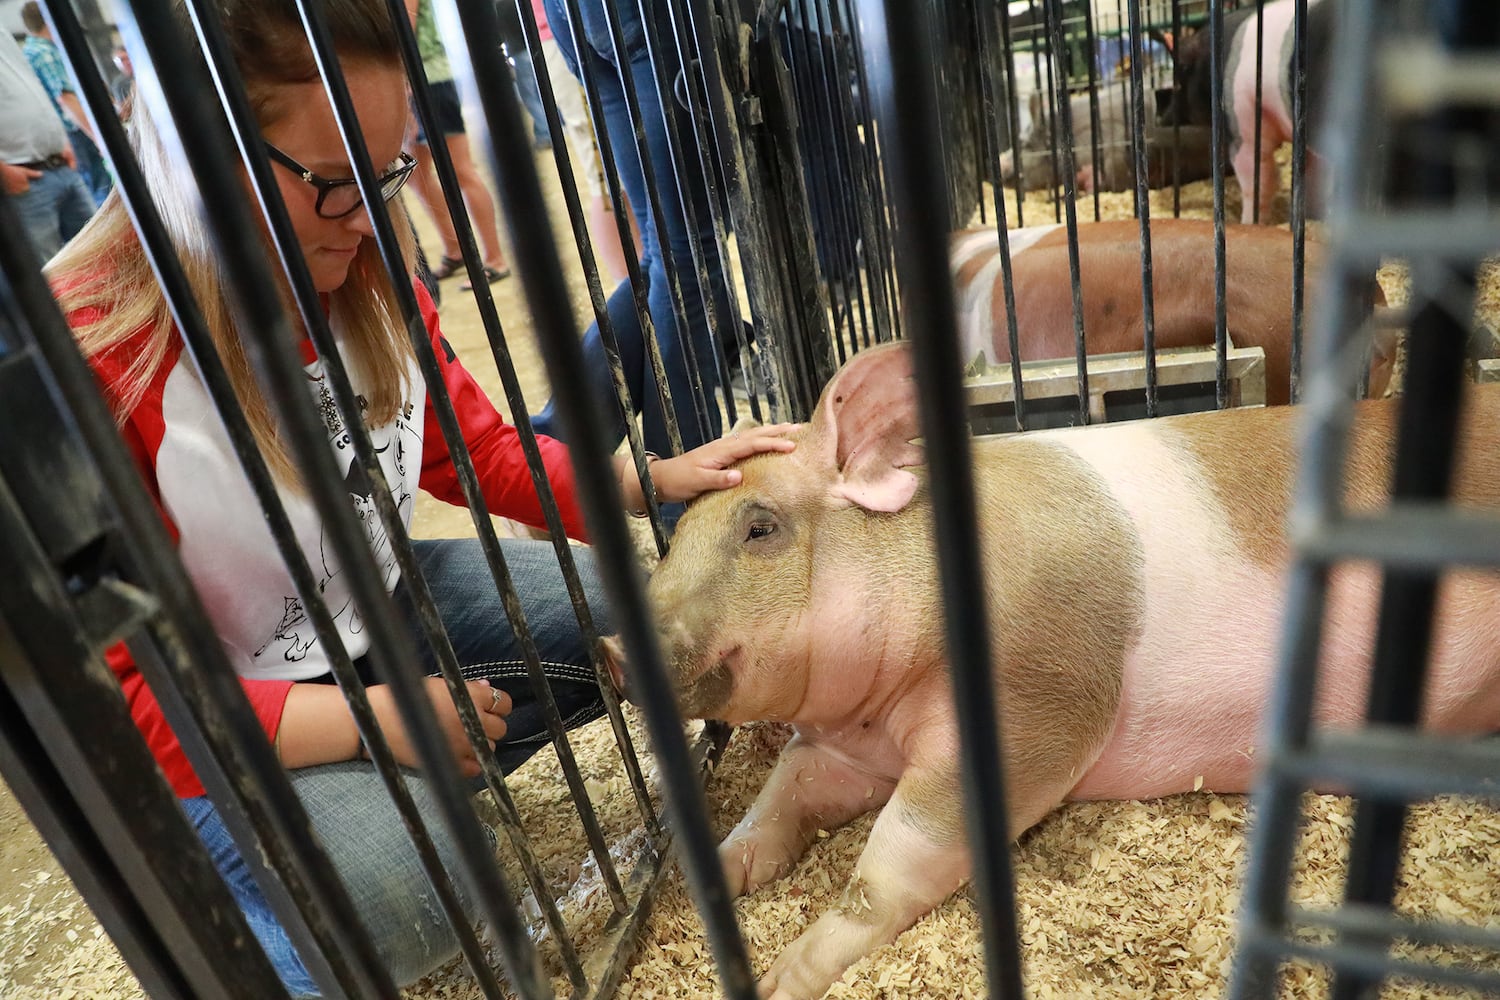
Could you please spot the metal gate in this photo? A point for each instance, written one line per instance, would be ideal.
(838, 145)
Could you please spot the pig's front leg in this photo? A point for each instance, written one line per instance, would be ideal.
(915, 858)
(812, 787)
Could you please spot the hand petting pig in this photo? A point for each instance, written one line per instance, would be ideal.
(1134, 585)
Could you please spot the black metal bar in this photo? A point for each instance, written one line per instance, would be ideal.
(1217, 135)
(899, 49)
(1143, 201)
(270, 343)
(1409, 536)
(1096, 141)
(1260, 97)
(546, 292)
(109, 817)
(1372, 963)
(1013, 108)
(703, 399)
(1007, 278)
(1053, 12)
(1176, 118)
(1299, 190)
(1396, 763)
(191, 326)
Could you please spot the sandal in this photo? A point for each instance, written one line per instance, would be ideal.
(447, 267)
(491, 275)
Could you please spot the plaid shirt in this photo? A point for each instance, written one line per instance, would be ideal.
(47, 63)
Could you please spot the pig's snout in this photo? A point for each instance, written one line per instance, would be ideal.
(614, 660)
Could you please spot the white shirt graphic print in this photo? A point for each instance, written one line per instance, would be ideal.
(228, 550)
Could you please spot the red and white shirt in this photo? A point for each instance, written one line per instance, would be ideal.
(190, 468)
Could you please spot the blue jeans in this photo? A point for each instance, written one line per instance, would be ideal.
(531, 95)
(598, 52)
(91, 165)
(53, 209)
(347, 803)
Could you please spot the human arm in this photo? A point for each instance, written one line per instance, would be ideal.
(316, 726)
(74, 107)
(705, 468)
(17, 179)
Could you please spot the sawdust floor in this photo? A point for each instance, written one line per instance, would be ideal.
(1127, 900)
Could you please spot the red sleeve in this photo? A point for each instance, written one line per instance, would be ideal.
(495, 446)
(142, 433)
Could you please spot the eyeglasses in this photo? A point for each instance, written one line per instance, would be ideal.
(337, 199)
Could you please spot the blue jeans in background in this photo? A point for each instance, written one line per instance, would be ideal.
(91, 165)
(531, 97)
(347, 804)
(597, 50)
(53, 209)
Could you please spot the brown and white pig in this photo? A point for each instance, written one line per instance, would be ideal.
(1257, 281)
(1135, 588)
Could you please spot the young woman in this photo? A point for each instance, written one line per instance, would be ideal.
(121, 320)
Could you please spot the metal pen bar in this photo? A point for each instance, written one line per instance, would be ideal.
(561, 154)
(202, 700)
(190, 324)
(1299, 189)
(108, 817)
(484, 528)
(1176, 118)
(1317, 499)
(1096, 143)
(1007, 276)
(634, 274)
(697, 100)
(1143, 201)
(1367, 962)
(1409, 535)
(899, 49)
(1394, 763)
(484, 875)
(546, 292)
(873, 310)
(703, 399)
(810, 160)
(270, 343)
(1426, 450)
(1217, 135)
(1376, 920)
(1053, 11)
(1260, 96)
(1013, 107)
(654, 201)
(875, 194)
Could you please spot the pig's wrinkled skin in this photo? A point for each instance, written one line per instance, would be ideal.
(1135, 581)
(1258, 292)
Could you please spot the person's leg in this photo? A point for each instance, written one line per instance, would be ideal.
(477, 197)
(91, 165)
(486, 646)
(424, 181)
(37, 207)
(531, 97)
(366, 842)
(616, 118)
(75, 203)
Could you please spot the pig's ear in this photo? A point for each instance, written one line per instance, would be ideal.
(863, 429)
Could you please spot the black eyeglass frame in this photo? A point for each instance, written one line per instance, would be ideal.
(325, 187)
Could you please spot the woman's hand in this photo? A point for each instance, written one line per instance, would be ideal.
(707, 467)
(492, 704)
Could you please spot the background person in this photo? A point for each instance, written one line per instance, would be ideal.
(124, 328)
(47, 62)
(448, 111)
(37, 166)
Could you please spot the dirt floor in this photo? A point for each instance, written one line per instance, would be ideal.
(1115, 900)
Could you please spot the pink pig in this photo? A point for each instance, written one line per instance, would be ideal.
(1135, 589)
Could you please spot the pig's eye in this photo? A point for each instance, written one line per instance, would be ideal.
(759, 529)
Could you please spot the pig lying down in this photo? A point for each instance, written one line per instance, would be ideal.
(1257, 292)
(1134, 587)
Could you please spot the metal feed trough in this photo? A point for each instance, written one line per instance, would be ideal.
(840, 143)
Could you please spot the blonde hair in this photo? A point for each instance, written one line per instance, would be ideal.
(104, 269)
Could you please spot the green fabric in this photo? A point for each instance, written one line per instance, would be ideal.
(430, 45)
